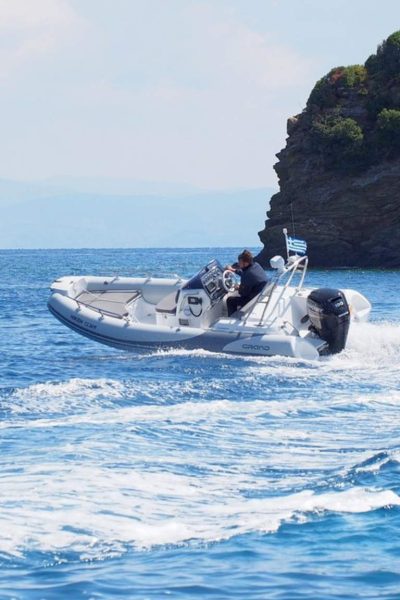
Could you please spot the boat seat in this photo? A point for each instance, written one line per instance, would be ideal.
(168, 304)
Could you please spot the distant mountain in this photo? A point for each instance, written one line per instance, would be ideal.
(50, 218)
(12, 192)
(121, 187)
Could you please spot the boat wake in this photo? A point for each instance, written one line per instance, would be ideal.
(377, 341)
(118, 510)
(195, 447)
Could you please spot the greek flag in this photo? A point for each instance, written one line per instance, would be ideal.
(296, 245)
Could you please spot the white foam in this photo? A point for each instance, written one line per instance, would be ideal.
(374, 463)
(370, 346)
(94, 511)
(87, 396)
(80, 505)
(62, 396)
(378, 341)
(372, 356)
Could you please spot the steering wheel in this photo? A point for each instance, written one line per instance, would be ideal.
(228, 281)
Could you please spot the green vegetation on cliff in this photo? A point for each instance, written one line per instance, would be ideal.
(339, 139)
(386, 62)
(353, 113)
(388, 131)
(326, 90)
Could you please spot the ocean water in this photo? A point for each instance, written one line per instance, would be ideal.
(189, 475)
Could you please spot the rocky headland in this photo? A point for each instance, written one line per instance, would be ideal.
(339, 174)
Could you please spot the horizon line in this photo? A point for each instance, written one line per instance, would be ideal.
(128, 248)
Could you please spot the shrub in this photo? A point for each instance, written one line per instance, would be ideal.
(352, 76)
(327, 90)
(323, 94)
(388, 130)
(372, 64)
(339, 140)
(386, 62)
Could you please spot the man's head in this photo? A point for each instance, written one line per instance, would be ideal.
(245, 259)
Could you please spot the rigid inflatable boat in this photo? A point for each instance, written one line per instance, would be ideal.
(285, 318)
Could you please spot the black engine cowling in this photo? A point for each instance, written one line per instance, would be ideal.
(329, 315)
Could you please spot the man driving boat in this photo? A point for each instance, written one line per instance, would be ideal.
(252, 281)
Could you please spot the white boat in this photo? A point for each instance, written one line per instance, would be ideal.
(149, 312)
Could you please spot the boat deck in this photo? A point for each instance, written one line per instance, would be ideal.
(111, 302)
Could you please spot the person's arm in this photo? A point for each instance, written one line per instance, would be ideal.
(234, 268)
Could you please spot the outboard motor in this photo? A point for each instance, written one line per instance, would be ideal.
(329, 315)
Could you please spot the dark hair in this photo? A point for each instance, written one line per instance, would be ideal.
(246, 256)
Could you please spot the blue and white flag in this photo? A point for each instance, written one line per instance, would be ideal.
(296, 245)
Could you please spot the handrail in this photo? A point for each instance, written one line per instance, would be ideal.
(292, 269)
(148, 276)
(268, 289)
(300, 263)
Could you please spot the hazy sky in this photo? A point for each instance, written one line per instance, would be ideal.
(190, 91)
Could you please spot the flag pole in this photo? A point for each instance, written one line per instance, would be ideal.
(286, 241)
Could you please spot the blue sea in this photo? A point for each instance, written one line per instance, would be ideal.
(185, 475)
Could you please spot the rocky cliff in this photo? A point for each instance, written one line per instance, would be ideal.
(339, 174)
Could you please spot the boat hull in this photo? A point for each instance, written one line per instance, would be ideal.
(125, 335)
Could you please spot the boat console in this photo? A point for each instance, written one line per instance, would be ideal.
(200, 299)
(212, 279)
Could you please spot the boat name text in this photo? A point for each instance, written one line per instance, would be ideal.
(86, 324)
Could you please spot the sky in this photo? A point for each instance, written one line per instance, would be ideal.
(167, 97)
(193, 92)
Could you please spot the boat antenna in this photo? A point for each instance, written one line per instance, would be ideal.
(292, 214)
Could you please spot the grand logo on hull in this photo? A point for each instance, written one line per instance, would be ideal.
(256, 347)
